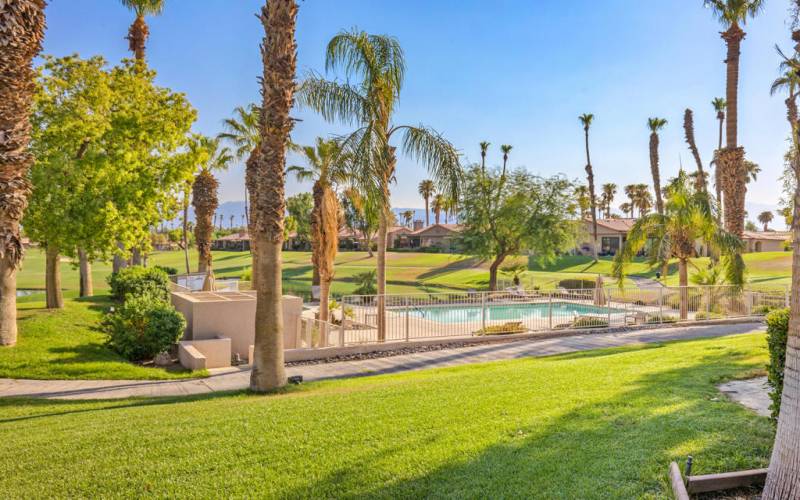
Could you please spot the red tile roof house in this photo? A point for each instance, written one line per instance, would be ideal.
(442, 236)
(766, 241)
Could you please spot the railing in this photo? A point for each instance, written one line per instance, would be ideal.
(458, 314)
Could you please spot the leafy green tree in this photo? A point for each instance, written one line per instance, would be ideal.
(300, 207)
(377, 65)
(688, 217)
(530, 214)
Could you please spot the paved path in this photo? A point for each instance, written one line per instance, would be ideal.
(751, 393)
(645, 283)
(238, 378)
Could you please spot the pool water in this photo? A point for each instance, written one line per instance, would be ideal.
(509, 312)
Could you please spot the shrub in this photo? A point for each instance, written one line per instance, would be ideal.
(777, 333)
(763, 309)
(701, 315)
(576, 283)
(143, 327)
(504, 329)
(657, 318)
(247, 275)
(367, 283)
(138, 281)
(171, 271)
(590, 322)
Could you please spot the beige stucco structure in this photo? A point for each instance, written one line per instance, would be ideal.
(231, 315)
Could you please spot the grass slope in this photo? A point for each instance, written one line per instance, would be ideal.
(67, 344)
(598, 424)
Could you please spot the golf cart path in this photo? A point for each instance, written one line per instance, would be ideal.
(230, 379)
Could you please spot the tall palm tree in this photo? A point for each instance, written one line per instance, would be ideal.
(642, 199)
(627, 208)
(687, 217)
(426, 189)
(719, 107)
(505, 149)
(267, 175)
(21, 38)
(438, 206)
(484, 145)
(408, 217)
(783, 477)
(242, 132)
(138, 32)
(327, 168)
(656, 124)
(732, 14)
(688, 131)
(205, 202)
(376, 62)
(630, 192)
(765, 218)
(609, 190)
(586, 120)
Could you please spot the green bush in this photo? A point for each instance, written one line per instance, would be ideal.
(777, 333)
(590, 322)
(704, 315)
(367, 283)
(576, 283)
(138, 281)
(504, 329)
(142, 327)
(167, 269)
(763, 309)
(247, 275)
(657, 318)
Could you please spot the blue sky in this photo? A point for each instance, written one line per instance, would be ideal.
(510, 72)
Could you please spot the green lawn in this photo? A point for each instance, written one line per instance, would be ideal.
(68, 345)
(599, 424)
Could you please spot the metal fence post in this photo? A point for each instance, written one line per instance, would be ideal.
(483, 311)
(661, 304)
(549, 311)
(708, 303)
(405, 303)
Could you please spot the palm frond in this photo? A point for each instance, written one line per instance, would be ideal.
(437, 153)
(333, 100)
(145, 7)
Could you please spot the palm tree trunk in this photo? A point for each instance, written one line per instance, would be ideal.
(427, 213)
(21, 36)
(592, 199)
(731, 159)
(718, 170)
(683, 282)
(53, 297)
(654, 170)
(185, 226)
(279, 58)
(137, 36)
(86, 288)
(324, 241)
(250, 182)
(381, 276)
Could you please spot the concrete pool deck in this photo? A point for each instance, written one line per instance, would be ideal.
(232, 379)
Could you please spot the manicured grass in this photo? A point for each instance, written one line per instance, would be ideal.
(598, 424)
(67, 344)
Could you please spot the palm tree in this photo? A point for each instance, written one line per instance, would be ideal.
(732, 13)
(582, 197)
(765, 218)
(751, 171)
(327, 168)
(630, 192)
(687, 217)
(642, 199)
(138, 32)
(688, 130)
(484, 145)
(21, 40)
(438, 206)
(586, 120)
(719, 107)
(205, 202)
(609, 190)
(505, 149)
(266, 173)
(656, 124)
(377, 63)
(426, 190)
(627, 208)
(408, 217)
(243, 134)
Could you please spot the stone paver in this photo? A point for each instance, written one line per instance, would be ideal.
(231, 379)
(751, 393)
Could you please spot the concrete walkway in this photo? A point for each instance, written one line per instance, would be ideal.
(645, 283)
(751, 393)
(238, 378)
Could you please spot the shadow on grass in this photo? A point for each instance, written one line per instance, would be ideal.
(450, 267)
(619, 447)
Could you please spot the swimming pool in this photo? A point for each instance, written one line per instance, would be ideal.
(507, 312)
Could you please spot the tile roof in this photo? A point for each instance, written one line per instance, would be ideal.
(768, 235)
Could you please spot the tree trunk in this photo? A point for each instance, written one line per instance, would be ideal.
(267, 178)
(324, 240)
(8, 302)
(86, 288)
(136, 256)
(137, 36)
(186, 232)
(683, 282)
(119, 261)
(718, 169)
(268, 365)
(654, 171)
(381, 275)
(493, 268)
(592, 198)
(732, 158)
(54, 298)
(427, 213)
